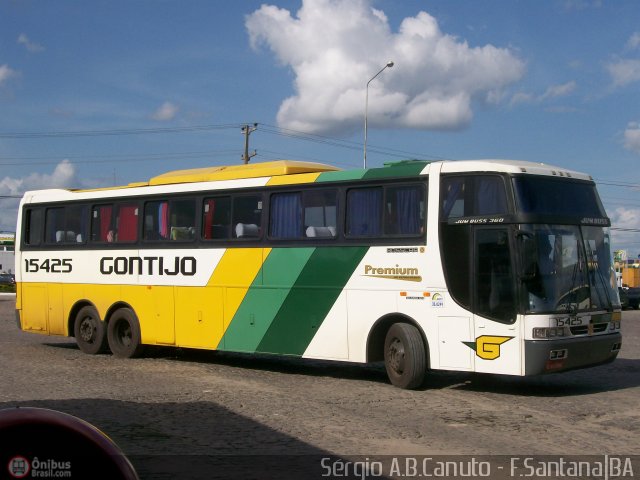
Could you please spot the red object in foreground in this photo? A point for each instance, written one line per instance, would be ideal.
(37, 442)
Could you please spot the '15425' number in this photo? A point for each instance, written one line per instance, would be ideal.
(50, 265)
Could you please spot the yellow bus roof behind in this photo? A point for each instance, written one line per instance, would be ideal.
(231, 172)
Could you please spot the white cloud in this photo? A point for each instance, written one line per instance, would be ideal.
(624, 71)
(335, 46)
(31, 46)
(554, 91)
(165, 112)
(632, 137)
(6, 73)
(625, 218)
(62, 176)
(634, 41)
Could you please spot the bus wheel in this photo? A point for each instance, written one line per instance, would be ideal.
(123, 333)
(90, 331)
(405, 356)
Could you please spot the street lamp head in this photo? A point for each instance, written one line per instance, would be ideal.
(389, 64)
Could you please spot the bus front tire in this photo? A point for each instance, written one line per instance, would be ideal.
(405, 356)
(123, 334)
(90, 331)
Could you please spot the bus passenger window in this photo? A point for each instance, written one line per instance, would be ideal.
(76, 223)
(156, 220)
(54, 231)
(320, 213)
(364, 212)
(33, 227)
(66, 224)
(404, 210)
(286, 216)
(453, 194)
(182, 220)
(101, 224)
(491, 196)
(247, 216)
(115, 223)
(127, 223)
(216, 218)
(170, 220)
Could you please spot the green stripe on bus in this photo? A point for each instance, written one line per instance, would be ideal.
(401, 169)
(264, 298)
(309, 301)
(341, 175)
(397, 170)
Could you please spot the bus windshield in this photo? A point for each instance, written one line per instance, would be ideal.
(567, 269)
(557, 196)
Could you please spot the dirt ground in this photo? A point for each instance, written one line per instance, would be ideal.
(178, 403)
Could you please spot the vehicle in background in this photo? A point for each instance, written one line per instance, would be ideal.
(624, 298)
(633, 295)
(7, 279)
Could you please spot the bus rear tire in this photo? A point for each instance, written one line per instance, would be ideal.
(90, 331)
(123, 334)
(405, 356)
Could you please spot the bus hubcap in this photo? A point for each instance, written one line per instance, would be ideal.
(396, 356)
(87, 330)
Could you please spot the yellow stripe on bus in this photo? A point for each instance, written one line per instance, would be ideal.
(236, 272)
(294, 179)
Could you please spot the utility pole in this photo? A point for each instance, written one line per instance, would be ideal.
(247, 130)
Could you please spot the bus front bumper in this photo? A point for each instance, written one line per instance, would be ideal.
(549, 356)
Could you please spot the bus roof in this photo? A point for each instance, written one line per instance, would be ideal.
(511, 166)
(232, 172)
(291, 171)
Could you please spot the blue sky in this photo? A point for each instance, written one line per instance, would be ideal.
(166, 85)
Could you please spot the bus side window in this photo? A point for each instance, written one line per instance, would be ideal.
(247, 216)
(182, 220)
(33, 227)
(491, 196)
(115, 223)
(364, 212)
(127, 223)
(76, 223)
(404, 210)
(286, 215)
(54, 231)
(453, 195)
(101, 224)
(66, 224)
(320, 213)
(216, 218)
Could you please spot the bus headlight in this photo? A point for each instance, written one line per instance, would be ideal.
(549, 332)
(615, 325)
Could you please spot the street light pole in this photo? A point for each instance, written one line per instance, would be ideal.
(366, 108)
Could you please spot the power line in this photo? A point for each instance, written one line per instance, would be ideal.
(266, 128)
(617, 183)
(115, 132)
(336, 142)
(117, 158)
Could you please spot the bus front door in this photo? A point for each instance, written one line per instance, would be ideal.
(496, 344)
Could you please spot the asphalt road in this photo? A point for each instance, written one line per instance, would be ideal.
(179, 407)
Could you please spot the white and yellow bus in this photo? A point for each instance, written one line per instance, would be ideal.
(479, 266)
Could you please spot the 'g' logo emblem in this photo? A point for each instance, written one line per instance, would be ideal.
(487, 347)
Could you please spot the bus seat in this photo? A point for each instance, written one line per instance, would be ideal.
(247, 230)
(322, 232)
(62, 236)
